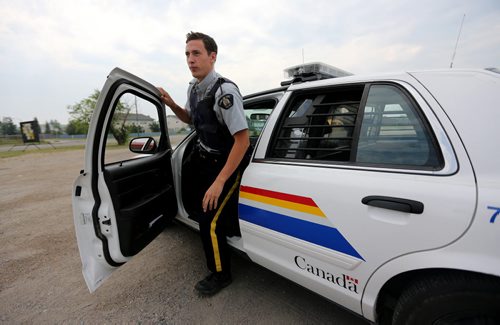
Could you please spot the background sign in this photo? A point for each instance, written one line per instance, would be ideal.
(30, 132)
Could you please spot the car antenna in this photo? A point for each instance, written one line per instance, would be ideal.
(456, 44)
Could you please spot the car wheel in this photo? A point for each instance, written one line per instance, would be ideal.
(456, 298)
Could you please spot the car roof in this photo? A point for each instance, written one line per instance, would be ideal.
(265, 92)
(363, 78)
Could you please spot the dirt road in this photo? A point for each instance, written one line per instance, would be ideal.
(40, 269)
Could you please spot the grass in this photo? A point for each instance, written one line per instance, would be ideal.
(7, 141)
(8, 154)
(19, 142)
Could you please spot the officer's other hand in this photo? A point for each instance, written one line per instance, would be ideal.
(212, 196)
(165, 97)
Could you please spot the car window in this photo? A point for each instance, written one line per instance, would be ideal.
(392, 132)
(338, 125)
(319, 126)
(257, 114)
(133, 117)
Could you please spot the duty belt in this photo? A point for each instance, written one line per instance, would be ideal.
(212, 157)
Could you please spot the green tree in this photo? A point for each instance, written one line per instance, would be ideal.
(8, 128)
(154, 126)
(36, 126)
(82, 111)
(75, 127)
(118, 128)
(47, 128)
(134, 128)
(56, 127)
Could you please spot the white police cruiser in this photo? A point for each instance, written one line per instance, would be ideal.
(381, 193)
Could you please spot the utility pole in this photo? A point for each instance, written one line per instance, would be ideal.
(136, 115)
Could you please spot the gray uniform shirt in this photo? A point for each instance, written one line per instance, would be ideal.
(234, 116)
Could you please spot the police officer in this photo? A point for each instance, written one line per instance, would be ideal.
(215, 108)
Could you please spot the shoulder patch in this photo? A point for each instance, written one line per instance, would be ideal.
(226, 101)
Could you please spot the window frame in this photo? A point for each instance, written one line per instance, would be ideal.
(163, 142)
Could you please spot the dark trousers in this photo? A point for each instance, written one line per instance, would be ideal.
(217, 224)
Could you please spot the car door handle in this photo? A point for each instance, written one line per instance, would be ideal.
(394, 203)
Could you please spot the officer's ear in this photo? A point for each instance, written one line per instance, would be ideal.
(213, 57)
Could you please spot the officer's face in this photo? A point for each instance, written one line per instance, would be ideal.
(199, 61)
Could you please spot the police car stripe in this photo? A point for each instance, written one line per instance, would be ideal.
(284, 200)
(284, 204)
(279, 195)
(321, 235)
(213, 225)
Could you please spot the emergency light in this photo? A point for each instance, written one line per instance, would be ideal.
(312, 71)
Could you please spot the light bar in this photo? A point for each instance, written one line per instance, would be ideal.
(319, 69)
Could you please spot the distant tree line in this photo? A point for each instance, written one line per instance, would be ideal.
(7, 127)
(53, 127)
(80, 115)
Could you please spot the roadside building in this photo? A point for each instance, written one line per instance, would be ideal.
(139, 120)
(175, 125)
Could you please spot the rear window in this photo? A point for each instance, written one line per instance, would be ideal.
(372, 124)
(319, 126)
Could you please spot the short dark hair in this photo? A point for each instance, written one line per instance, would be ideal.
(209, 42)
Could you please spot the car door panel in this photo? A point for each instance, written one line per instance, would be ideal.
(132, 196)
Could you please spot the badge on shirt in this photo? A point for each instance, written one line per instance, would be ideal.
(226, 101)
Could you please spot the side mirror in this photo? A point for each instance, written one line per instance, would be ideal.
(143, 145)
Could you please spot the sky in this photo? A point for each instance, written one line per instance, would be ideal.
(55, 53)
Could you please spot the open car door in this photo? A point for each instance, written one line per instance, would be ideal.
(122, 200)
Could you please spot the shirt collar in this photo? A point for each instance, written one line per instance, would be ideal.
(201, 87)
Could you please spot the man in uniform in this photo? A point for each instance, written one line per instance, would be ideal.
(215, 108)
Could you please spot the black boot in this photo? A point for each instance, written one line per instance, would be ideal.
(213, 283)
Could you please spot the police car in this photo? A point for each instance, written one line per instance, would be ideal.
(380, 193)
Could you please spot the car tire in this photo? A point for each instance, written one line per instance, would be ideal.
(453, 298)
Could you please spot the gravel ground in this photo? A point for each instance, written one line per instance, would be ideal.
(40, 269)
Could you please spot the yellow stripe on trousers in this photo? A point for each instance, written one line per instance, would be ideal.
(215, 244)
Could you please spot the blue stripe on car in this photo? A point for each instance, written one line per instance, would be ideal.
(311, 232)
